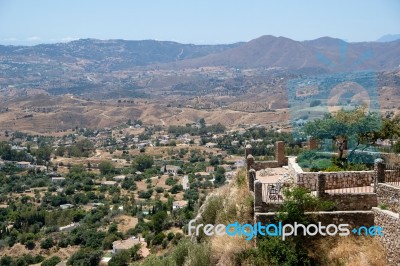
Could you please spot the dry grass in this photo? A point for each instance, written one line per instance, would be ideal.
(350, 251)
(237, 206)
(125, 222)
(361, 251)
(225, 248)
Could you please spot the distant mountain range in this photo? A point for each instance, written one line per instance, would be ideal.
(105, 69)
(389, 38)
(326, 53)
(267, 51)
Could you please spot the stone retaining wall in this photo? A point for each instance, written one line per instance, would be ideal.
(390, 240)
(259, 165)
(353, 201)
(353, 218)
(334, 180)
(389, 196)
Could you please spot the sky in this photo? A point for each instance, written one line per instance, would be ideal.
(30, 22)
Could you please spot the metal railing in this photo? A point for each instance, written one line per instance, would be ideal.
(392, 175)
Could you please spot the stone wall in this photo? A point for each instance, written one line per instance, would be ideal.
(389, 196)
(259, 165)
(353, 218)
(353, 201)
(334, 180)
(390, 240)
(279, 161)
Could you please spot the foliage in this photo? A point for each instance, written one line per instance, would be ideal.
(85, 256)
(47, 243)
(122, 258)
(185, 253)
(53, 261)
(317, 161)
(293, 250)
(106, 167)
(82, 148)
(142, 162)
(298, 200)
(315, 103)
(357, 127)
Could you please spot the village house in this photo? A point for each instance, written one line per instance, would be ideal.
(179, 204)
(210, 169)
(23, 165)
(170, 169)
(211, 144)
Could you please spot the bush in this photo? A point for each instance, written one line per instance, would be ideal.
(52, 261)
(85, 256)
(170, 181)
(157, 240)
(30, 244)
(315, 103)
(159, 189)
(144, 195)
(47, 243)
(320, 165)
(292, 251)
(176, 189)
(122, 258)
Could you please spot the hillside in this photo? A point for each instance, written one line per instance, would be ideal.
(326, 53)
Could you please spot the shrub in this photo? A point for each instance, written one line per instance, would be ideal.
(144, 195)
(47, 243)
(315, 103)
(320, 165)
(170, 181)
(159, 189)
(52, 261)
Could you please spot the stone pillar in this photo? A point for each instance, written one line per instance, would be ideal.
(379, 168)
(251, 175)
(321, 181)
(248, 150)
(258, 195)
(280, 153)
(249, 161)
(312, 144)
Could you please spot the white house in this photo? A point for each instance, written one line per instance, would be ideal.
(179, 204)
(23, 165)
(170, 169)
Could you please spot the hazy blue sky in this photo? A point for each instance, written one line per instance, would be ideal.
(196, 21)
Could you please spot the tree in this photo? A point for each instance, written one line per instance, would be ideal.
(47, 243)
(53, 261)
(43, 153)
(85, 256)
(354, 128)
(122, 258)
(106, 167)
(202, 122)
(143, 162)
